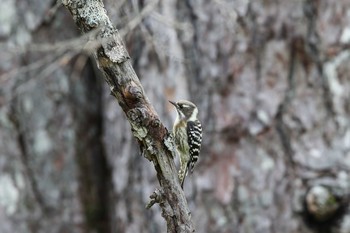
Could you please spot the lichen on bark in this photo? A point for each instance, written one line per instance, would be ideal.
(114, 62)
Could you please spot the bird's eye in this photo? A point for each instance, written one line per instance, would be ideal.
(181, 106)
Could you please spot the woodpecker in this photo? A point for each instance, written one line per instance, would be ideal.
(187, 134)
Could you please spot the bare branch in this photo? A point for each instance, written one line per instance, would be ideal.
(113, 60)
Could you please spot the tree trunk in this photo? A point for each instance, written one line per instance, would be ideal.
(271, 82)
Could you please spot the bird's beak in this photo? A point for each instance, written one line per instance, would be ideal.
(173, 103)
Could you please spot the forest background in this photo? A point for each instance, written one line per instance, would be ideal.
(271, 79)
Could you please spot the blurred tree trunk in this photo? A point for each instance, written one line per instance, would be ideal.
(271, 79)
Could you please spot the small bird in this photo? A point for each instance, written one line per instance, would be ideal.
(187, 134)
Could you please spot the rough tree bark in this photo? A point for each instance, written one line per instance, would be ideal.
(271, 80)
(113, 60)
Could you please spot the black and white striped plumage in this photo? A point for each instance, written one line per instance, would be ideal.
(194, 134)
(187, 133)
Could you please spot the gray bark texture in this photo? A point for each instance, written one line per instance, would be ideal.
(114, 61)
(271, 80)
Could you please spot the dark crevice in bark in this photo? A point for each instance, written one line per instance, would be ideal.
(132, 193)
(135, 42)
(94, 173)
(313, 43)
(25, 156)
(191, 49)
(257, 46)
(282, 129)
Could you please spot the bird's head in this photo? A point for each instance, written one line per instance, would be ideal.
(186, 110)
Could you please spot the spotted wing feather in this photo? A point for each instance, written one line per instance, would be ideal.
(194, 134)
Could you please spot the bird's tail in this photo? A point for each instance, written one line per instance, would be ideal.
(184, 177)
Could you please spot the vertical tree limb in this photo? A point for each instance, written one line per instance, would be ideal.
(113, 60)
